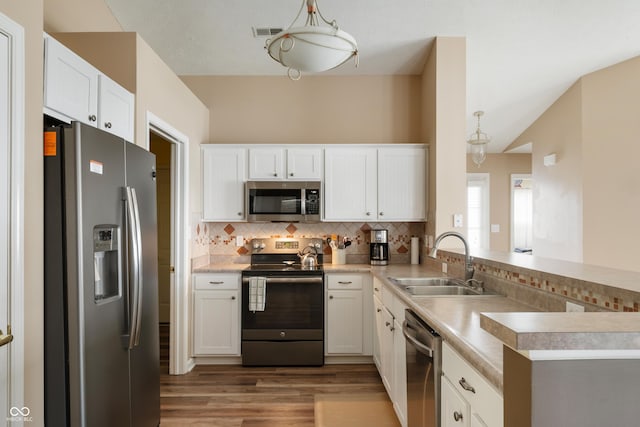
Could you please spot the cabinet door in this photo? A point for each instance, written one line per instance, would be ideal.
(115, 108)
(266, 163)
(401, 184)
(455, 410)
(71, 84)
(216, 325)
(350, 184)
(304, 163)
(344, 322)
(377, 332)
(399, 372)
(386, 352)
(223, 171)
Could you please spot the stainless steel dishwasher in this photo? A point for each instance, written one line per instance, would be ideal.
(424, 370)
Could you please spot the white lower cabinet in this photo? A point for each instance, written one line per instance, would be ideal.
(216, 314)
(455, 410)
(390, 347)
(468, 399)
(348, 309)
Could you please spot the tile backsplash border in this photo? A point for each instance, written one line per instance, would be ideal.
(546, 291)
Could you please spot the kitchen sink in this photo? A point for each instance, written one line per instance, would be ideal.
(426, 281)
(436, 286)
(441, 290)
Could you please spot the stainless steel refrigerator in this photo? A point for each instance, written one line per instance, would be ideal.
(101, 316)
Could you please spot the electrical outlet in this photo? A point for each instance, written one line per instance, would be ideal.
(457, 220)
(574, 308)
(444, 267)
(239, 241)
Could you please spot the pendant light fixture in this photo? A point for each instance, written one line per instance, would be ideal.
(312, 48)
(478, 142)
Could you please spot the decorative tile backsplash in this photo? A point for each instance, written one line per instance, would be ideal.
(220, 238)
(552, 290)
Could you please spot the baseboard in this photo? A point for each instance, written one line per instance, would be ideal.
(345, 360)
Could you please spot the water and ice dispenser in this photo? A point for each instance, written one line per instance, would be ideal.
(106, 262)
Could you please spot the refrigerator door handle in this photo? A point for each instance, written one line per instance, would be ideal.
(140, 284)
(135, 270)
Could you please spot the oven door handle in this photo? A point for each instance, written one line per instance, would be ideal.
(289, 280)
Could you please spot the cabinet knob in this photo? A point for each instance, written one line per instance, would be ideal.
(107, 125)
(93, 118)
(465, 385)
(368, 213)
(291, 174)
(275, 174)
(330, 296)
(233, 297)
(379, 310)
(239, 213)
(381, 214)
(387, 323)
(457, 416)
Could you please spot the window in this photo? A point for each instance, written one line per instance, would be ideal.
(478, 210)
(521, 213)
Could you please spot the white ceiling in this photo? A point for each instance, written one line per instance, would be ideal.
(521, 54)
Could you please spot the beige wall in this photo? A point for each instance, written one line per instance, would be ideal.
(314, 109)
(586, 205)
(611, 150)
(500, 167)
(443, 108)
(78, 15)
(29, 15)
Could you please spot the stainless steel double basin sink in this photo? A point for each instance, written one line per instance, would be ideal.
(436, 286)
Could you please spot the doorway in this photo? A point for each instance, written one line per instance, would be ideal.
(179, 266)
(164, 151)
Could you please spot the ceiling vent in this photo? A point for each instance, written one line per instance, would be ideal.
(265, 31)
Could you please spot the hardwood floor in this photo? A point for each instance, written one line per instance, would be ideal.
(235, 396)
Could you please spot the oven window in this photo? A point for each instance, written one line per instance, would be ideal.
(288, 306)
(275, 201)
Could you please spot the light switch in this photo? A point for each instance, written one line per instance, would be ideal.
(495, 228)
(457, 220)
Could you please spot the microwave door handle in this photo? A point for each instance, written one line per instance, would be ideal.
(303, 201)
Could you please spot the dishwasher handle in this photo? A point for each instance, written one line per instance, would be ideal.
(422, 348)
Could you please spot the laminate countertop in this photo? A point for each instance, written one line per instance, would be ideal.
(457, 319)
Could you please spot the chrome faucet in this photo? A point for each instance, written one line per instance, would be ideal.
(468, 265)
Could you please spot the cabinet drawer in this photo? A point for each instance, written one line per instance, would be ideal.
(485, 400)
(216, 281)
(344, 281)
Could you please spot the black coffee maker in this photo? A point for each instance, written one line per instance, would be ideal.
(379, 247)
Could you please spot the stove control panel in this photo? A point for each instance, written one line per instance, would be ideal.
(282, 245)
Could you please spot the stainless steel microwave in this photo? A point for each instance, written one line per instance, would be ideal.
(283, 201)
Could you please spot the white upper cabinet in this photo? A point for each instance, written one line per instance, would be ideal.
(115, 108)
(375, 184)
(75, 90)
(304, 163)
(401, 184)
(223, 172)
(71, 84)
(276, 163)
(266, 163)
(350, 184)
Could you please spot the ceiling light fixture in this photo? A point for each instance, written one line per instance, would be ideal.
(312, 48)
(478, 142)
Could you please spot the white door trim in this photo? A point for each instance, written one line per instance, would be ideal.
(15, 33)
(179, 360)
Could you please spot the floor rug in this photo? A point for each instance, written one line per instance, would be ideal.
(354, 410)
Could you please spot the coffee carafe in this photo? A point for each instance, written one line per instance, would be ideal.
(379, 247)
